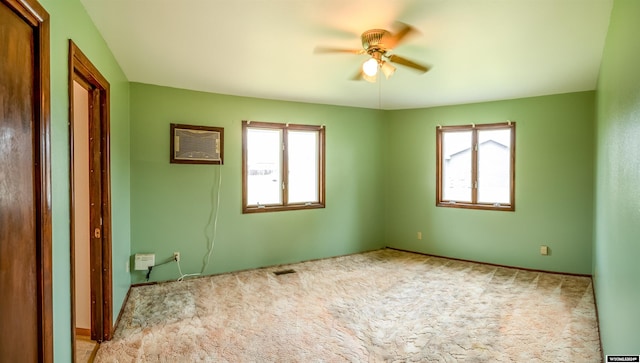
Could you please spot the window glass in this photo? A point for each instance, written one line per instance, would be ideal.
(494, 167)
(264, 166)
(303, 166)
(456, 166)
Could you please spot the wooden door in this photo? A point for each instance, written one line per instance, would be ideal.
(87, 75)
(95, 217)
(25, 198)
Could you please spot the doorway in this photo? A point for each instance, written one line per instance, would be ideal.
(26, 312)
(85, 346)
(91, 280)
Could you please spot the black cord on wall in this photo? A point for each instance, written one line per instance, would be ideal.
(160, 264)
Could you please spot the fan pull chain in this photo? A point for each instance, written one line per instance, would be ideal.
(379, 93)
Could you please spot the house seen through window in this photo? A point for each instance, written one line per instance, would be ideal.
(475, 166)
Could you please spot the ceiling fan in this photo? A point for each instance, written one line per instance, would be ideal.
(377, 43)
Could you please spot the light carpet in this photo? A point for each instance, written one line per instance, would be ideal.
(380, 306)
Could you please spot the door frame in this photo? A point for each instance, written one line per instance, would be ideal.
(33, 14)
(85, 73)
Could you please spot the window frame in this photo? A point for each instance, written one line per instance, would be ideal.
(285, 205)
(440, 202)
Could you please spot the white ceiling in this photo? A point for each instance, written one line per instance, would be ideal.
(480, 50)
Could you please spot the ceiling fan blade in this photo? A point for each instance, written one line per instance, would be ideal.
(370, 79)
(407, 63)
(357, 76)
(398, 37)
(321, 50)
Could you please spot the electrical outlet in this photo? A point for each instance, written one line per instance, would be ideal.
(419, 235)
(544, 250)
(176, 256)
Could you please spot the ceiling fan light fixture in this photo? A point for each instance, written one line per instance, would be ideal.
(371, 79)
(370, 67)
(387, 69)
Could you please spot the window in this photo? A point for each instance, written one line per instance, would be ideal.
(282, 167)
(475, 166)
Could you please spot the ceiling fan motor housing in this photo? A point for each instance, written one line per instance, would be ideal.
(373, 39)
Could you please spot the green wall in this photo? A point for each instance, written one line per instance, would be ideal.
(171, 203)
(616, 267)
(554, 185)
(68, 19)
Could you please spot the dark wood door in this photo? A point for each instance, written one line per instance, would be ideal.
(86, 74)
(95, 216)
(25, 224)
(18, 305)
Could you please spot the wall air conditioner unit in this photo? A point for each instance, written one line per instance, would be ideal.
(197, 144)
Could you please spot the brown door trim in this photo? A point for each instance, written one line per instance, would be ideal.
(85, 73)
(34, 14)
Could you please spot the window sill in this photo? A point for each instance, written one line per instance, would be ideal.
(280, 208)
(462, 205)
